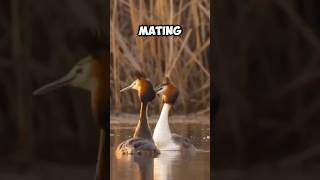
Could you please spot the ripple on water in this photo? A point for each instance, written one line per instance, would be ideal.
(169, 165)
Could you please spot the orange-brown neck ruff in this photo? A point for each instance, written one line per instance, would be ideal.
(100, 109)
(171, 95)
(99, 99)
(145, 91)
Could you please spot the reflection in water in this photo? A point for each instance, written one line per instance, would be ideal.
(142, 165)
(169, 165)
(163, 164)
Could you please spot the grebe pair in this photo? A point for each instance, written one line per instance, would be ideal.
(162, 139)
(91, 74)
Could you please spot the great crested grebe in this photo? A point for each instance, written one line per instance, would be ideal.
(142, 142)
(90, 74)
(162, 136)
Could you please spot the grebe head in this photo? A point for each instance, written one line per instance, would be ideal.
(167, 91)
(89, 71)
(82, 75)
(143, 86)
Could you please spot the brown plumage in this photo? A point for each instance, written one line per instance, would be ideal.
(99, 102)
(142, 142)
(169, 92)
(91, 74)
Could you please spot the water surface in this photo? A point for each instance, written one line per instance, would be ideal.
(169, 165)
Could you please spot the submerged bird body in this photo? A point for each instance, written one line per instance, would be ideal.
(162, 136)
(142, 142)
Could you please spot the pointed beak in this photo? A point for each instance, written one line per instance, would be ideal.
(55, 85)
(126, 88)
(158, 89)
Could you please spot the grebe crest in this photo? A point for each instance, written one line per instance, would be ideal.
(167, 91)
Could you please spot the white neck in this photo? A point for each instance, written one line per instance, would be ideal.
(162, 133)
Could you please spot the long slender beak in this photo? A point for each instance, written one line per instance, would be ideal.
(126, 88)
(54, 85)
(158, 89)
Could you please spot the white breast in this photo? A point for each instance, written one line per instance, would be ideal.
(162, 134)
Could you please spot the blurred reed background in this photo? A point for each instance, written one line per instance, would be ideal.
(184, 59)
(39, 42)
(267, 65)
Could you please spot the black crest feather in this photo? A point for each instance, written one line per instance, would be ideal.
(166, 81)
(94, 40)
(139, 75)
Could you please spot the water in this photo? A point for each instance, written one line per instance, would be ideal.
(169, 165)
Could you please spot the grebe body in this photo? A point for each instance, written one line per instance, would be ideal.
(162, 136)
(142, 142)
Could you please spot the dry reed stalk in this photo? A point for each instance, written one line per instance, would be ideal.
(182, 58)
